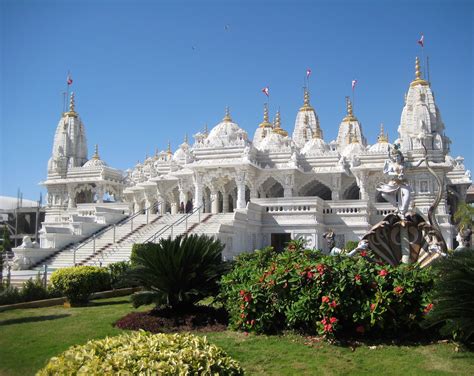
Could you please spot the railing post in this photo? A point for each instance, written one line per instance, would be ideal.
(45, 276)
(9, 275)
(115, 226)
(74, 256)
(199, 215)
(93, 243)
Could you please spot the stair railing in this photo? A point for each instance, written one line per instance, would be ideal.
(92, 239)
(156, 235)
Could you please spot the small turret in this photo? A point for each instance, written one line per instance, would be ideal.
(278, 129)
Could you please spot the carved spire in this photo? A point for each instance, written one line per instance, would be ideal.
(168, 151)
(72, 104)
(418, 80)
(382, 138)
(227, 115)
(185, 138)
(265, 123)
(96, 152)
(278, 129)
(306, 105)
(350, 115)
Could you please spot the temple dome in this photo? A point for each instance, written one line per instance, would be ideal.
(275, 142)
(95, 161)
(382, 144)
(226, 132)
(315, 146)
(353, 149)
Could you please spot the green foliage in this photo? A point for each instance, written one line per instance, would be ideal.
(34, 290)
(10, 295)
(6, 242)
(78, 282)
(177, 272)
(313, 293)
(453, 297)
(463, 215)
(351, 245)
(144, 353)
(118, 274)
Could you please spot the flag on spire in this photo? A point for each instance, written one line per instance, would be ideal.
(308, 73)
(266, 91)
(354, 83)
(421, 41)
(69, 79)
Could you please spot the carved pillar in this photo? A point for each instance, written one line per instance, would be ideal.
(71, 197)
(253, 193)
(198, 189)
(362, 183)
(214, 201)
(174, 208)
(240, 182)
(225, 201)
(100, 193)
(336, 187)
(288, 187)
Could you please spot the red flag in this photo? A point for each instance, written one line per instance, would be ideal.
(421, 41)
(266, 91)
(69, 79)
(308, 73)
(354, 82)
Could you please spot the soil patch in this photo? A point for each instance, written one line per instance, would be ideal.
(197, 319)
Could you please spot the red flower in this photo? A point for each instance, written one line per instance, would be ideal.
(333, 304)
(372, 306)
(328, 328)
(383, 273)
(248, 297)
(333, 320)
(357, 277)
(242, 315)
(252, 322)
(360, 329)
(363, 253)
(321, 269)
(242, 292)
(325, 299)
(309, 275)
(398, 290)
(428, 308)
(324, 321)
(242, 307)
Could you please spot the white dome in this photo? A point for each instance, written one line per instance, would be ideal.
(379, 147)
(225, 133)
(95, 162)
(354, 148)
(315, 146)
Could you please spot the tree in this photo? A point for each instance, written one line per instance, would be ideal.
(177, 272)
(463, 216)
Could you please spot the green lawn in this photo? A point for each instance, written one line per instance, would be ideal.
(29, 337)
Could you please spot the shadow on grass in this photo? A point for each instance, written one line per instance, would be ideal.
(99, 303)
(24, 320)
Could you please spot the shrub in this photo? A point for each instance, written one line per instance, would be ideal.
(10, 295)
(177, 272)
(33, 290)
(78, 282)
(118, 274)
(309, 292)
(144, 353)
(453, 296)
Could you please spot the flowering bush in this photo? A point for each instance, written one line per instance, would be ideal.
(143, 353)
(312, 293)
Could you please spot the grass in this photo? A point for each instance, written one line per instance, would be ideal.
(29, 337)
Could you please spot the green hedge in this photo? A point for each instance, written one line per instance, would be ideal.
(306, 291)
(77, 283)
(144, 353)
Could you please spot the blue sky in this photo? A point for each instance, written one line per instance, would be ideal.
(146, 72)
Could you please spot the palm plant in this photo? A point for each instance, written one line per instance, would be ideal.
(177, 272)
(453, 298)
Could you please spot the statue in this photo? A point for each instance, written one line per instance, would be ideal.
(464, 239)
(330, 237)
(27, 243)
(396, 191)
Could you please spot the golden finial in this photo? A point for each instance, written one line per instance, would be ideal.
(382, 138)
(227, 115)
(96, 152)
(72, 111)
(278, 129)
(350, 115)
(418, 80)
(265, 123)
(169, 149)
(306, 104)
